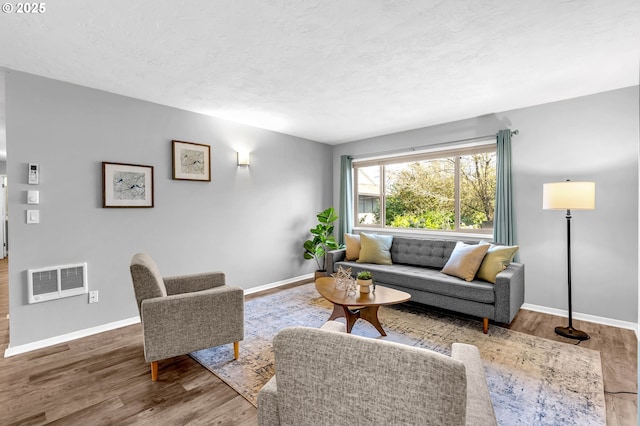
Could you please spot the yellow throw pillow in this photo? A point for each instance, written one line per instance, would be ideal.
(495, 261)
(352, 241)
(375, 249)
(465, 260)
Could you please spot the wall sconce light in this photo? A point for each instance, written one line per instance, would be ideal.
(243, 158)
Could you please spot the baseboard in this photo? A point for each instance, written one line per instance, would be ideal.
(278, 284)
(583, 317)
(17, 350)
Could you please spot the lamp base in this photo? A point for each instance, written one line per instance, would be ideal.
(572, 333)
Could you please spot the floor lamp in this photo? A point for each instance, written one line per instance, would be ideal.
(569, 196)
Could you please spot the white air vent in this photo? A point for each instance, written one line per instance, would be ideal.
(55, 282)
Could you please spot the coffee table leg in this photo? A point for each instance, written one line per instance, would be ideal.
(370, 313)
(367, 313)
(350, 317)
(337, 312)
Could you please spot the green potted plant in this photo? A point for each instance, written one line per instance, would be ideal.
(365, 280)
(322, 241)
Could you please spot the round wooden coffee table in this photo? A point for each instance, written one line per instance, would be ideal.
(358, 305)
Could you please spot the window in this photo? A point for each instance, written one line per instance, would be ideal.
(451, 190)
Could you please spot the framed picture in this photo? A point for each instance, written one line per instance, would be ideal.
(191, 161)
(127, 185)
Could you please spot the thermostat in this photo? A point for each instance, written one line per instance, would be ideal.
(34, 174)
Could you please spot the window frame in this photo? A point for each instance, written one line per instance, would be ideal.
(487, 146)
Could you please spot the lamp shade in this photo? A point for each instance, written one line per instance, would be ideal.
(569, 196)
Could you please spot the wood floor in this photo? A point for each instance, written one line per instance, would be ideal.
(103, 379)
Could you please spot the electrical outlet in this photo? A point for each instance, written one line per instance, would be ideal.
(93, 296)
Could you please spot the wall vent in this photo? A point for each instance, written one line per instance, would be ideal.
(55, 282)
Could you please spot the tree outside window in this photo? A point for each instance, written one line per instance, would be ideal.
(453, 191)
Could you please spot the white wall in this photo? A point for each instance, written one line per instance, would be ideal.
(589, 138)
(248, 222)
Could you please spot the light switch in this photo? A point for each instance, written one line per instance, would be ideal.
(33, 197)
(33, 216)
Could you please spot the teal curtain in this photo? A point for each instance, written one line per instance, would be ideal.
(345, 214)
(503, 219)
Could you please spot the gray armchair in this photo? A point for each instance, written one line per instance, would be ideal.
(186, 313)
(325, 377)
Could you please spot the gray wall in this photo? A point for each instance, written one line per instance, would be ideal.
(248, 222)
(589, 138)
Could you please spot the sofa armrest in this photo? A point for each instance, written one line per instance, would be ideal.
(479, 406)
(334, 326)
(182, 323)
(332, 257)
(268, 404)
(195, 282)
(509, 292)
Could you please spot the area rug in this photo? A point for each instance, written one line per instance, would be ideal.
(533, 381)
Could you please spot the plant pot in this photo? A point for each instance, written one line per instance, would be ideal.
(319, 274)
(365, 285)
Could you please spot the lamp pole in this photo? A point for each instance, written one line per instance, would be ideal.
(569, 331)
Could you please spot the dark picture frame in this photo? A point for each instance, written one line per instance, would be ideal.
(127, 185)
(191, 161)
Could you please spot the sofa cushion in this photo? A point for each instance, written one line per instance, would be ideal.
(495, 261)
(465, 260)
(427, 280)
(352, 243)
(375, 249)
(421, 252)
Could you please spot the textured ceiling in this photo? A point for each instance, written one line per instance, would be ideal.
(333, 71)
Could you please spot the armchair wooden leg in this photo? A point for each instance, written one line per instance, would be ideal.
(236, 350)
(154, 371)
(485, 325)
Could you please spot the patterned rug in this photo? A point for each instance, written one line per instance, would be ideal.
(533, 381)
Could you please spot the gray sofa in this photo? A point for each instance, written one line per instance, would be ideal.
(327, 377)
(416, 270)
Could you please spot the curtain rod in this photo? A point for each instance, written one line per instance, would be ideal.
(437, 145)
